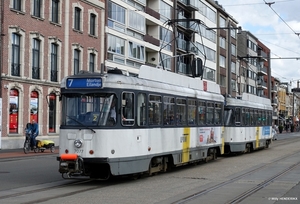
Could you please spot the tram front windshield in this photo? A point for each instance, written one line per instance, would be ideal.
(88, 110)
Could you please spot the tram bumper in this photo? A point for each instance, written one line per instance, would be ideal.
(71, 164)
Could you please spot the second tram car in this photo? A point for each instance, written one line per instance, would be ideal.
(113, 124)
(248, 123)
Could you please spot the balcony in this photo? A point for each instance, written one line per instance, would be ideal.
(182, 44)
(182, 68)
(274, 89)
(262, 54)
(262, 71)
(152, 40)
(261, 84)
(274, 102)
(153, 13)
(191, 5)
(182, 24)
(192, 27)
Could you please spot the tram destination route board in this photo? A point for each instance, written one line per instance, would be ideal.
(84, 83)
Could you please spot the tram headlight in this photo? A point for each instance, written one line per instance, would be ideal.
(78, 143)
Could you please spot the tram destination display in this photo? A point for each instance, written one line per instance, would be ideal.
(84, 83)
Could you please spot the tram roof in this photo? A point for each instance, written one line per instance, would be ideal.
(250, 100)
(159, 80)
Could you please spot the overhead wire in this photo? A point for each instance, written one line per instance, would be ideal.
(270, 6)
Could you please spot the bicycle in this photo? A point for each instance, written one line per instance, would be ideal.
(27, 144)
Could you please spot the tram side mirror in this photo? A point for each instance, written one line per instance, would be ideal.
(197, 68)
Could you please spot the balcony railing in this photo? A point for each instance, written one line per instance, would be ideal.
(15, 69)
(35, 72)
(182, 44)
(191, 5)
(153, 13)
(262, 71)
(274, 88)
(152, 40)
(54, 75)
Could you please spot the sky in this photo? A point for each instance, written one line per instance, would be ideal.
(277, 26)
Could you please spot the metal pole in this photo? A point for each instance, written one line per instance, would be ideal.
(229, 60)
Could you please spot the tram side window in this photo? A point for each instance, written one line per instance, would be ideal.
(201, 113)
(270, 118)
(251, 117)
(180, 111)
(210, 113)
(141, 109)
(154, 110)
(218, 113)
(246, 117)
(192, 105)
(263, 118)
(169, 110)
(259, 118)
(127, 108)
(238, 116)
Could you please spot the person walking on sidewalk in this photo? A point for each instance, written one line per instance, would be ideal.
(34, 132)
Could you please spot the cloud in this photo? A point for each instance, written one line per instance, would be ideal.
(275, 27)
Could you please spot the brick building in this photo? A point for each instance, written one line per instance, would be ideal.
(42, 42)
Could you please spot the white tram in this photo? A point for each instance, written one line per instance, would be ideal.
(114, 124)
(248, 123)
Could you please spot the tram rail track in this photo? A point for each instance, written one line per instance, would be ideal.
(249, 192)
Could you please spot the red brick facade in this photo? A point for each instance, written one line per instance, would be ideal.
(42, 28)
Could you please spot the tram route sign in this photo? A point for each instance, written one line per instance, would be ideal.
(84, 83)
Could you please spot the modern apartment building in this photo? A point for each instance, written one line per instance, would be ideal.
(42, 42)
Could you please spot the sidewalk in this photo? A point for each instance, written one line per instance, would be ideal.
(13, 153)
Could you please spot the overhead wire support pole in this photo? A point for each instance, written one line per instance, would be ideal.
(172, 23)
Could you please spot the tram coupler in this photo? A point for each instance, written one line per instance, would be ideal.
(70, 164)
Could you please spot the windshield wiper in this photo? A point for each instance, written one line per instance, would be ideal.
(81, 123)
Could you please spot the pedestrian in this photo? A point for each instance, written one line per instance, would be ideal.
(34, 132)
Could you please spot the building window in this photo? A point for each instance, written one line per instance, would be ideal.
(52, 113)
(93, 24)
(222, 22)
(15, 64)
(116, 17)
(36, 47)
(165, 61)
(222, 61)
(136, 21)
(77, 18)
(116, 12)
(165, 38)
(34, 106)
(233, 67)
(13, 110)
(136, 51)
(165, 11)
(54, 61)
(116, 45)
(76, 61)
(233, 49)
(222, 42)
(222, 80)
(17, 5)
(233, 85)
(55, 11)
(37, 6)
(92, 62)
